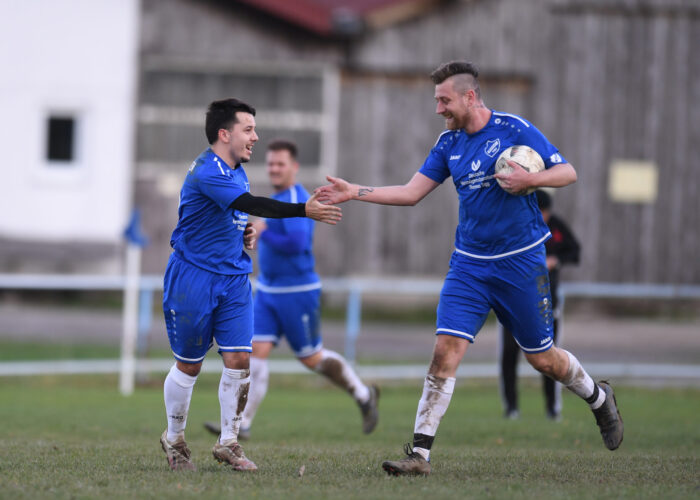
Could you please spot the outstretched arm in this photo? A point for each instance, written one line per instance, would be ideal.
(274, 209)
(340, 190)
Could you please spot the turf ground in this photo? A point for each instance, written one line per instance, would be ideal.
(75, 437)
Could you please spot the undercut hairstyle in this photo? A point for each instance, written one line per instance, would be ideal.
(222, 114)
(466, 76)
(283, 145)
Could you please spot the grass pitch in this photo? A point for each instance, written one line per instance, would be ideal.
(76, 437)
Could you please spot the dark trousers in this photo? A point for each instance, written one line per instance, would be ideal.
(510, 352)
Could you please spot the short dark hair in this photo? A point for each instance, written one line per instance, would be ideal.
(283, 145)
(452, 68)
(448, 69)
(222, 114)
(544, 200)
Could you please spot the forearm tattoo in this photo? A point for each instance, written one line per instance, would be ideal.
(364, 190)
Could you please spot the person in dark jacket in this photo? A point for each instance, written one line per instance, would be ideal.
(562, 248)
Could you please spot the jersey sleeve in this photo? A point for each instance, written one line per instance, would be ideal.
(532, 137)
(435, 166)
(221, 188)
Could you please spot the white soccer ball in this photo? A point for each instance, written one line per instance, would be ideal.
(524, 156)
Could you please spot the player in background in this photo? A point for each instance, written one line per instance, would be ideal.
(207, 294)
(562, 248)
(288, 298)
(499, 258)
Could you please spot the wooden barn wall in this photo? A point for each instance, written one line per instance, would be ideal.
(628, 89)
(601, 83)
(388, 126)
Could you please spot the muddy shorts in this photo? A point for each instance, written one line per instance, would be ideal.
(201, 306)
(515, 287)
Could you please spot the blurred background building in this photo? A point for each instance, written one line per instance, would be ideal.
(103, 109)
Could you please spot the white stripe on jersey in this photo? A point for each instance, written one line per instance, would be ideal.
(440, 136)
(487, 257)
(293, 195)
(497, 113)
(218, 163)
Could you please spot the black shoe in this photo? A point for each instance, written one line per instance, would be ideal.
(413, 464)
(511, 414)
(609, 419)
(553, 416)
(370, 410)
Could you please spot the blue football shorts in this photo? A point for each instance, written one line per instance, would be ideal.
(201, 306)
(296, 315)
(515, 287)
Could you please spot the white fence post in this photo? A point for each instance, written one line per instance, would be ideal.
(130, 319)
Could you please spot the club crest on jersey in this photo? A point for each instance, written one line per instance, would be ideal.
(492, 147)
(475, 165)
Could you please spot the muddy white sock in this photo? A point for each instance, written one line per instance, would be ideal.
(233, 396)
(581, 384)
(259, 377)
(338, 370)
(437, 393)
(177, 393)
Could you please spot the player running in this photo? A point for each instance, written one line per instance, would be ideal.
(499, 257)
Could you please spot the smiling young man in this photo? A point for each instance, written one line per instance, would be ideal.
(499, 257)
(207, 294)
(288, 298)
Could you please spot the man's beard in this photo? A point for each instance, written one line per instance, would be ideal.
(451, 124)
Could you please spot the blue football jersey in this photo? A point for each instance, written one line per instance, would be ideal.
(209, 233)
(492, 223)
(285, 248)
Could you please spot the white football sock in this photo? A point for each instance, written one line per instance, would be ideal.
(259, 377)
(338, 370)
(437, 393)
(233, 395)
(177, 393)
(581, 384)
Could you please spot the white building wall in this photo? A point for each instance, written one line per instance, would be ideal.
(79, 57)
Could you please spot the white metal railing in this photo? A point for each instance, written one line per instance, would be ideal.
(355, 288)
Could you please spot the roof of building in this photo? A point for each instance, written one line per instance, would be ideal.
(343, 17)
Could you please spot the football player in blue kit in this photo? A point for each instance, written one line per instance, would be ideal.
(207, 294)
(499, 257)
(288, 298)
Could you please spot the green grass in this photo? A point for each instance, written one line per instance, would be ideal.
(75, 437)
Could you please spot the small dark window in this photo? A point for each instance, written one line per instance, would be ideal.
(61, 139)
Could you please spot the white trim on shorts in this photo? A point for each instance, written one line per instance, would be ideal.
(288, 289)
(309, 351)
(455, 333)
(266, 337)
(519, 250)
(241, 348)
(188, 360)
(536, 349)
